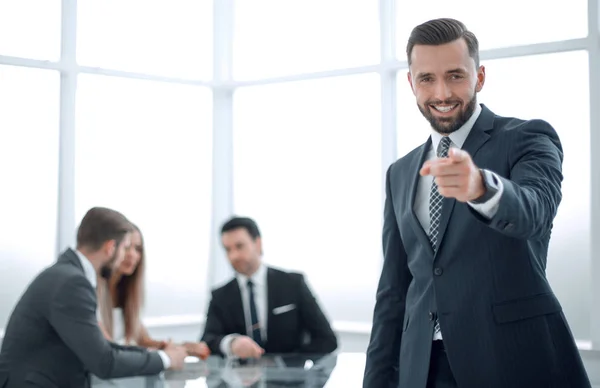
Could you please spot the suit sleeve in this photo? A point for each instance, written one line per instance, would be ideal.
(381, 370)
(322, 337)
(214, 330)
(532, 192)
(73, 316)
(133, 348)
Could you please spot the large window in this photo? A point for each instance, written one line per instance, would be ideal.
(303, 132)
(144, 148)
(275, 37)
(171, 38)
(306, 166)
(28, 171)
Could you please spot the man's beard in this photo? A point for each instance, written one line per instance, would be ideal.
(106, 269)
(446, 126)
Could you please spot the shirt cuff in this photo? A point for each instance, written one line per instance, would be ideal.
(488, 209)
(165, 359)
(225, 345)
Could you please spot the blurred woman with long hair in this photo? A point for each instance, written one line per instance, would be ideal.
(121, 297)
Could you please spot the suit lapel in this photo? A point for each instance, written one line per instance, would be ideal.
(477, 137)
(447, 208)
(414, 221)
(271, 290)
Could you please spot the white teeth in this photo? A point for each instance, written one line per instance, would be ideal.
(444, 109)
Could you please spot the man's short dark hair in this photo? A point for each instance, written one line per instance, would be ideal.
(441, 31)
(241, 223)
(100, 225)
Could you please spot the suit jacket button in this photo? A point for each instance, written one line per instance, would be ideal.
(431, 316)
(438, 271)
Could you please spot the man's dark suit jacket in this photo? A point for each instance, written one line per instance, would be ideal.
(53, 340)
(501, 324)
(286, 331)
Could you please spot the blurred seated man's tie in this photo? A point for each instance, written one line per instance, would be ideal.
(256, 336)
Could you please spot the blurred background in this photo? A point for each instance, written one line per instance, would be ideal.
(181, 113)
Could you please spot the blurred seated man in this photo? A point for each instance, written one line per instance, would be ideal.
(262, 309)
(53, 339)
(121, 294)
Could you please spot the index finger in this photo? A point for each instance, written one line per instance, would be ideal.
(457, 155)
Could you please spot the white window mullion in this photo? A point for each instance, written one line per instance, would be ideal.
(68, 87)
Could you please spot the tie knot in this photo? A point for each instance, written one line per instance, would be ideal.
(250, 284)
(443, 147)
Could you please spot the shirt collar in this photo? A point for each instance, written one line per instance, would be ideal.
(88, 268)
(459, 136)
(259, 278)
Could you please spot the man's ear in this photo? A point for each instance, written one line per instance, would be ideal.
(410, 82)
(480, 78)
(109, 247)
(258, 242)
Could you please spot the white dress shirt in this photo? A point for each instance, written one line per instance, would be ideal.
(88, 269)
(421, 206)
(119, 327)
(90, 274)
(259, 279)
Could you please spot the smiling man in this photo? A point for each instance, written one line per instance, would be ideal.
(463, 299)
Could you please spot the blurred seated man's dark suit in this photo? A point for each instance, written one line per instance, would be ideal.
(52, 338)
(274, 313)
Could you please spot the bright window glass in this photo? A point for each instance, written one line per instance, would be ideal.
(499, 24)
(30, 29)
(29, 109)
(275, 38)
(307, 167)
(170, 38)
(144, 148)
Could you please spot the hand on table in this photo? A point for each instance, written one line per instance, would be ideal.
(245, 347)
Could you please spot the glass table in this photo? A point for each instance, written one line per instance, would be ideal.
(343, 370)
